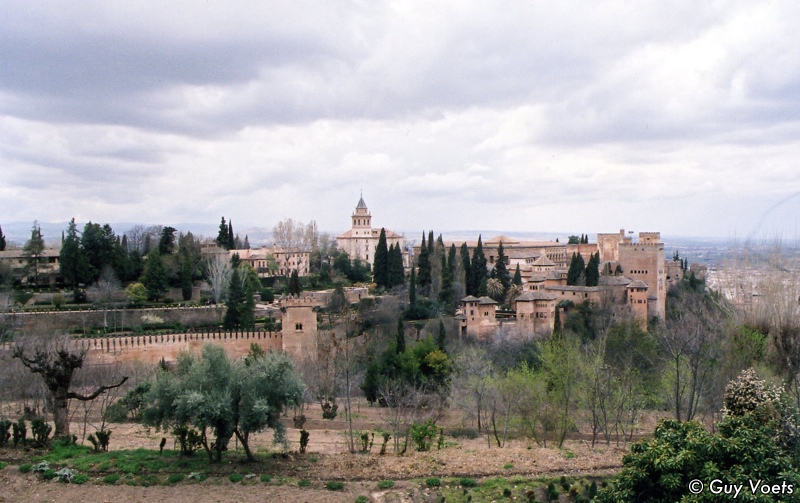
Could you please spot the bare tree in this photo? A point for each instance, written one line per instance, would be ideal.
(56, 359)
(105, 292)
(219, 277)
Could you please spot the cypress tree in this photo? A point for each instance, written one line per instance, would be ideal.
(517, 277)
(593, 270)
(412, 289)
(447, 293)
(295, 288)
(231, 237)
(380, 264)
(577, 270)
(74, 266)
(424, 265)
(430, 243)
(479, 275)
(465, 264)
(186, 276)
(501, 270)
(557, 323)
(400, 338)
(155, 277)
(235, 302)
(396, 269)
(2, 240)
(440, 340)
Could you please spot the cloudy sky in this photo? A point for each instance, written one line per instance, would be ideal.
(682, 117)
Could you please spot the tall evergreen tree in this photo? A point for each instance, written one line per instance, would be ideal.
(222, 236)
(479, 273)
(593, 270)
(442, 337)
(446, 293)
(430, 243)
(517, 277)
(155, 276)
(73, 263)
(186, 276)
(166, 243)
(467, 267)
(295, 287)
(396, 268)
(380, 264)
(235, 302)
(576, 275)
(424, 266)
(2, 240)
(231, 236)
(33, 251)
(412, 289)
(98, 243)
(501, 270)
(246, 242)
(400, 338)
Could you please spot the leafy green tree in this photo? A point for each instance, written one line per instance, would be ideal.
(517, 277)
(224, 398)
(33, 251)
(222, 236)
(561, 366)
(442, 337)
(74, 266)
(576, 275)
(400, 339)
(235, 303)
(155, 277)
(136, 293)
(295, 287)
(593, 270)
(412, 289)
(573, 240)
(2, 240)
(380, 264)
(98, 243)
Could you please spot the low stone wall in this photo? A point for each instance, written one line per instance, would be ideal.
(152, 348)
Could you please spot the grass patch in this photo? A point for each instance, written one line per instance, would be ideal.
(49, 474)
(235, 477)
(266, 478)
(175, 478)
(111, 479)
(385, 484)
(80, 478)
(499, 489)
(433, 482)
(3, 464)
(466, 482)
(508, 466)
(362, 499)
(133, 462)
(25, 468)
(334, 485)
(303, 483)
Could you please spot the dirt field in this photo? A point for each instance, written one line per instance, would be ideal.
(327, 459)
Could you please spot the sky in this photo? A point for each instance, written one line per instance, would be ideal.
(680, 117)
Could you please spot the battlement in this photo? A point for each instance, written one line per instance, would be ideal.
(649, 237)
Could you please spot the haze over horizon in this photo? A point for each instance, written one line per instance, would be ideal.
(543, 117)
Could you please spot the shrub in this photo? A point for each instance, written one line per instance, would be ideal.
(747, 393)
(3, 464)
(304, 440)
(116, 412)
(235, 477)
(57, 300)
(552, 492)
(100, 440)
(111, 479)
(303, 483)
(470, 433)
(66, 475)
(423, 434)
(508, 466)
(175, 478)
(19, 432)
(386, 438)
(385, 484)
(362, 499)
(465, 482)
(49, 474)
(433, 482)
(188, 438)
(5, 434)
(80, 478)
(266, 478)
(334, 485)
(506, 492)
(25, 468)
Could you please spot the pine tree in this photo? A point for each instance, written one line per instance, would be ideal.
(222, 235)
(396, 268)
(400, 338)
(246, 243)
(380, 264)
(295, 288)
(593, 270)
(33, 250)
(430, 243)
(2, 240)
(517, 277)
(231, 237)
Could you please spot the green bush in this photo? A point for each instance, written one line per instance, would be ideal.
(235, 477)
(552, 492)
(385, 484)
(362, 499)
(422, 434)
(80, 478)
(433, 482)
(334, 485)
(175, 478)
(303, 483)
(25, 468)
(266, 478)
(111, 479)
(5, 434)
(3, 464)
(508, 466)
(19, 432)
(49, 474)
(468, 482)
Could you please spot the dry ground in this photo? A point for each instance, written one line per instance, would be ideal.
(327, 459)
